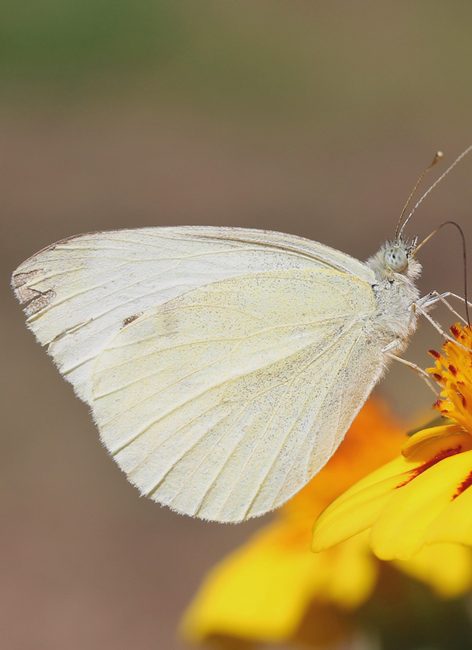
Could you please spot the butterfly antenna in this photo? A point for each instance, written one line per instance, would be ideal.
(435, 184)
(464, 258)
(437, 157)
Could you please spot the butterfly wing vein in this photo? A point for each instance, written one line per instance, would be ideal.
(222, 365)
(231, 416)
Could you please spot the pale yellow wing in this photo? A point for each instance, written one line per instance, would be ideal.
(79, 292)
(224, 402)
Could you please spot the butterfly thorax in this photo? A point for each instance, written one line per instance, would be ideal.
(395, 290)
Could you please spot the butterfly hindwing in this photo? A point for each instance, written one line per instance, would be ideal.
(223, 402)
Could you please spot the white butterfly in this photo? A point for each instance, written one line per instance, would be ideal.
(223, 366)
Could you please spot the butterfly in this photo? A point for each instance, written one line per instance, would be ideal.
(222, 366)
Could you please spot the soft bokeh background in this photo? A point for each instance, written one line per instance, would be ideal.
(307, 117)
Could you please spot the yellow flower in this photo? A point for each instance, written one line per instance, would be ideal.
(274, 589)
(421, 497)
(262, 591)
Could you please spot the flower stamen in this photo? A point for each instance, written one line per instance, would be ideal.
(453, 372)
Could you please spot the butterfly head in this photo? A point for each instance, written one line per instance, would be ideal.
(396, 258)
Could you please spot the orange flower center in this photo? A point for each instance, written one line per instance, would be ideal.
(453, 372)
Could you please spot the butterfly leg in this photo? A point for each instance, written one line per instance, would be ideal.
(435, 297)
(465, 302)
(450, 294)
(420, 308)
(422, 373)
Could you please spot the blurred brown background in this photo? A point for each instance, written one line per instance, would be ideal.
(308, 117)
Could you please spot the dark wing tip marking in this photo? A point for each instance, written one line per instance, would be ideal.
(20, 279)
(32, 300)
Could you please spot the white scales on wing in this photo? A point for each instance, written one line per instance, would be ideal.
(80, 291)
(223, 402)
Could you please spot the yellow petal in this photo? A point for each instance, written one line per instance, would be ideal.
(352, 573)
(425, 444)
(446, 568)
(264, 589)
(454, 524)
(259, 592)
(395, 467)
(344, 520)
(358, 508)
(392, 498)
(402, 528)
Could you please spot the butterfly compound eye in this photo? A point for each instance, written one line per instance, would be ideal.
(396, 258)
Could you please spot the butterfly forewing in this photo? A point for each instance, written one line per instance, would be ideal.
(79, 292)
